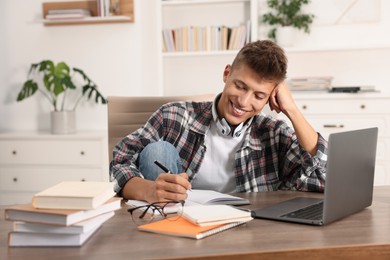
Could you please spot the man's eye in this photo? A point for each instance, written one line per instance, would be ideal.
(239, 85)
(259, 97)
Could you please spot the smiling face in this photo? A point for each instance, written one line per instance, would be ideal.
(245, 94)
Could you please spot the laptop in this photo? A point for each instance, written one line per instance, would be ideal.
(349, 182)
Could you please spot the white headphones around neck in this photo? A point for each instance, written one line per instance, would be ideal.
(225, 129)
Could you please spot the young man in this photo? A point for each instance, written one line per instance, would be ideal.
(226, 145)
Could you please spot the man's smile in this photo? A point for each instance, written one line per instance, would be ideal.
(237, 111)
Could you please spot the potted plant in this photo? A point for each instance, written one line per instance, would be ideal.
(57, 83)
(285, 15)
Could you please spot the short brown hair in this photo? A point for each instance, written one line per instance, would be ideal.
(265, 57)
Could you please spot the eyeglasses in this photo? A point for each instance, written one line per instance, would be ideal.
(157, 210)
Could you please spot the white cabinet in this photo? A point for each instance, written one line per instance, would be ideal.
(199, 71)
(336, 112)
(33, 161)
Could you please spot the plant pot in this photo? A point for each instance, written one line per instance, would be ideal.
(285, 36)
(63, 122)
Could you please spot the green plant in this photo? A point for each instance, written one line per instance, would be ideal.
(287, 13)
(58, 81)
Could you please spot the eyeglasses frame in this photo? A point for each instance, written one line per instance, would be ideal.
(155, 206)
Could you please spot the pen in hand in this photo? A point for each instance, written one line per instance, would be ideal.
(164, 168)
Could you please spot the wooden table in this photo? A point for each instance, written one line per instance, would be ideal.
(362, 235)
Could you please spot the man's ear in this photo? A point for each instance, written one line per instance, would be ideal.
(226, 72)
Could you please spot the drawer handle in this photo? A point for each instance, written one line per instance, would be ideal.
(304, 107)
(363, 106)
(82, 179)
(14, 152)
(15, 179)
(334, 126)
(82, 153)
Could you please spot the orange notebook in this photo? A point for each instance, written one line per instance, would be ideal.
(184, 228)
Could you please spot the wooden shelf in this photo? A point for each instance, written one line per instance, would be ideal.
(124, 15)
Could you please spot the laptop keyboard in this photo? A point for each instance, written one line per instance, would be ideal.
(313, 212)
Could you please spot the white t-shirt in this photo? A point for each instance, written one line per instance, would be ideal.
(217, 169)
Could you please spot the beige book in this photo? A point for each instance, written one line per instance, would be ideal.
(74, 195)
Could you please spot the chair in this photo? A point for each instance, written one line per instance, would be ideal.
(127, 114)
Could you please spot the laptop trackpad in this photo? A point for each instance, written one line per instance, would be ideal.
(285, 207)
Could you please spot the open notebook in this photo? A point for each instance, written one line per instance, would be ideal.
(200, 197)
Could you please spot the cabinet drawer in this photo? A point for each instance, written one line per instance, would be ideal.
(356, 106)
(10, 198)
(332, 124)
(50, 152)
(37, 179)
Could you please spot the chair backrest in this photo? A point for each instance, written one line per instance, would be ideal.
(127, 114)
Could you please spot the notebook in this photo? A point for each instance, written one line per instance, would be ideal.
(202, 197)
(184, 228)
(349, 182)
(207, 215)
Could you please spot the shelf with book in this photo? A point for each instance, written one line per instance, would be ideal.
(196, 21)
(122, 13)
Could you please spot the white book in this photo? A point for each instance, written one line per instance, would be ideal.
(69, 11)
(17, 239)
(78, 228)
(66, 16)
(64, 217)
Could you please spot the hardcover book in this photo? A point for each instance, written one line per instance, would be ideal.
(16, 239)
(64, 217)
(74, 195)
(78, 228)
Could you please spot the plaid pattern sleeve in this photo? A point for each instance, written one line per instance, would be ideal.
(271, 159)
(301, 170)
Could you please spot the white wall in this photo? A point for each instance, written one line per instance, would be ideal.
(349, 40)
(123, 58)
(118, 57)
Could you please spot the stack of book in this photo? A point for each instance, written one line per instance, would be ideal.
(67, 214)
(310, 83)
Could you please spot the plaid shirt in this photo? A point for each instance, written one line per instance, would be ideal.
(270, 157)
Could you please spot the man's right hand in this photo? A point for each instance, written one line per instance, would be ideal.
(166, 187)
